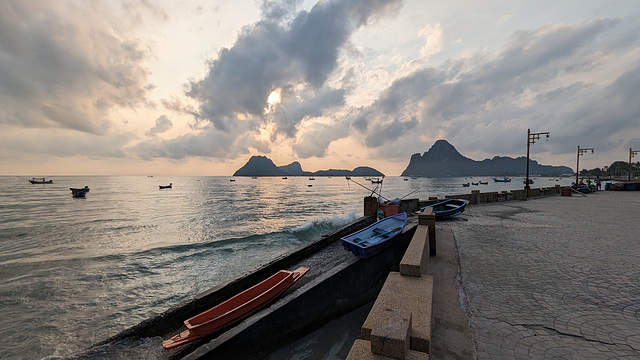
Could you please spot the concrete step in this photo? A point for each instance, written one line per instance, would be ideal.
(413, 294)
(361, 350)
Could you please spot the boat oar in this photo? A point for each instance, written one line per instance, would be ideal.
(379, 235)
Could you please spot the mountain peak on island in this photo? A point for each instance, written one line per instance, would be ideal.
(443, 160)
(443, 151)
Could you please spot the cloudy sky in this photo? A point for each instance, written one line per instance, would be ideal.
(197, 87)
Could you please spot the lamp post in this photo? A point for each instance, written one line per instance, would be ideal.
(531, 139)
(580, 152)
(632, 153)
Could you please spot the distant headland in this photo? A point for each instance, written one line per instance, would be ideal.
(443, 160)
(263, 166)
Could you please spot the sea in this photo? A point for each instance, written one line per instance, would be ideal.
(75, 271)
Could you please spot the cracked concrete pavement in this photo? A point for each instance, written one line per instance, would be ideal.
(555, 277)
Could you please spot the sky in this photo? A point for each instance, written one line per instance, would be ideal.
(190, 87)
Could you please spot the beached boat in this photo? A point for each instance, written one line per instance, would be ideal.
(235, 308)
(505, 179)
(166, 186)
(375, 237)
(448, 208)
(40, 181)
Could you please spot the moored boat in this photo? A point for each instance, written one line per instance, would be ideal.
(236, 308)
(84, 189)
(466, 184)
(166, 186)
(79, 192)
(448, 208)
(505, 179)
(40, 181)
(375, 237)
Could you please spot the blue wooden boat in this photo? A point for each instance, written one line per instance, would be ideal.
(375, 237)
(448, 208)
(506, 179)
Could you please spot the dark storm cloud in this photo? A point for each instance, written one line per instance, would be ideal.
(545, 79)
(274, 53)
(66, 66)
(309, 104)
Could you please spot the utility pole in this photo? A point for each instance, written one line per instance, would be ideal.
(580, 152)
(531, 139)
(632, 153)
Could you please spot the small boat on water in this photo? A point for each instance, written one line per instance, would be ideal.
(525, 181)
(166, 186)
(79, 192)
(475, 183)
(236, 308)
(466, 185)
(483, 182)
(376, 181)
(448, 208)
(505, 179)
(375, 237)
(40, 181)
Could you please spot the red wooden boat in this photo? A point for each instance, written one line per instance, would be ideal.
(235, 308)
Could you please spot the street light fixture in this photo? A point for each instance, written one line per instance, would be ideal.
(531, 139)
(581, 152)
(632, 153)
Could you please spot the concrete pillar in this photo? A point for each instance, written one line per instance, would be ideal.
(474, 196)
(427, 217)
(370, 206)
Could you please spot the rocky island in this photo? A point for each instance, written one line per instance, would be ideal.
(263, 166)
(444, 160)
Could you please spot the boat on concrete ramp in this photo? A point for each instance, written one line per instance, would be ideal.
(375, 237)
(448, 208)
(235, 308)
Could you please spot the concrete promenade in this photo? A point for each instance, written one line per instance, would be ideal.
(552, 278)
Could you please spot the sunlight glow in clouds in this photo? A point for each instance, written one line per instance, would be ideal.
(196, 88)
(273, 100)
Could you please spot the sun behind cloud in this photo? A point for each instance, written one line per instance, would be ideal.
(273, 99)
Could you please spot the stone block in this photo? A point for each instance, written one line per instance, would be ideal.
(416, 258)
(361, 350)
(413, 294)
(390, 336)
